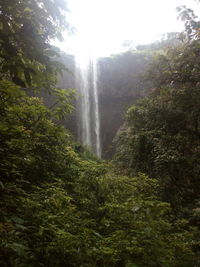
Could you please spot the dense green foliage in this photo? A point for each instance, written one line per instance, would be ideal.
(60, 205)
(161, 135)
(26, 28)
(60, 208)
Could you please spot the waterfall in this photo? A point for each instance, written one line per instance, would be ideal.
(96, 108)
(84, 107)
(88, 103)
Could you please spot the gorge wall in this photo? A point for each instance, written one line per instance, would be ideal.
(119, 86)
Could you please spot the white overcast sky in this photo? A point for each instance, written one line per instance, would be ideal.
(103, 25)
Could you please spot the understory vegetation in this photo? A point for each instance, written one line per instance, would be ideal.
(62, 206)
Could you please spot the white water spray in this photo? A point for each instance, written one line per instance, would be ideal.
(84, 101)
(96, 108)
(88, 104)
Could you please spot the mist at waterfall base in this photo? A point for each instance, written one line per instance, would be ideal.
(88, 101)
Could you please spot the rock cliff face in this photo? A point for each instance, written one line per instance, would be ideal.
(119, 86)
(68, 80)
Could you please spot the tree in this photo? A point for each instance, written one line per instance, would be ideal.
(192, 23)
(26, 28)
(161, 134)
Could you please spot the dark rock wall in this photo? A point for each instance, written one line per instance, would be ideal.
(119, 86)
(68, 80)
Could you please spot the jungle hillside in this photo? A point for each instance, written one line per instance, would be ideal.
(60, 203)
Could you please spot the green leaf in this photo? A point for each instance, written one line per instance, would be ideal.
(27, 77)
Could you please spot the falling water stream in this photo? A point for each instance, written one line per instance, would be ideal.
(88, 103)
(96, 108)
